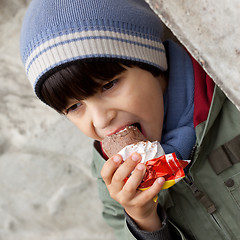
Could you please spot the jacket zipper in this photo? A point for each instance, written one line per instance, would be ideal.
(199, 195)
(202, 197)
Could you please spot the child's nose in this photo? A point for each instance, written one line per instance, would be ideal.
(102, 115)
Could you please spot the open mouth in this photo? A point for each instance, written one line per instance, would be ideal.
(137, 125)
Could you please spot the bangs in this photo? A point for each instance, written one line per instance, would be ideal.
(77, 81)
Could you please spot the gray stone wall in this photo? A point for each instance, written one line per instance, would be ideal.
(210, 31)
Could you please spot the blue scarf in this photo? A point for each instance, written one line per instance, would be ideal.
(178, 131)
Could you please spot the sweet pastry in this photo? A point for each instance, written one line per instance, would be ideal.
(114, 143)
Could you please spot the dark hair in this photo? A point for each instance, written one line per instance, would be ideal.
(80, 80)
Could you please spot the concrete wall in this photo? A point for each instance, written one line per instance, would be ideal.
(210, 31)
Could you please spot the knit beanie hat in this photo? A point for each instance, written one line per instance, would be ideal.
(57, 32)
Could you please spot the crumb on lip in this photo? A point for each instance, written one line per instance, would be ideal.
(126, 128)
(137, 125)
(134, 125)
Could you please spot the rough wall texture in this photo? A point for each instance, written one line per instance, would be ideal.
(210, 31)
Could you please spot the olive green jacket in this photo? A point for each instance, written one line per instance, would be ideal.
(206, 205)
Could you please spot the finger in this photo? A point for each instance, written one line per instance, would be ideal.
(110, 167)
(124, 171)
(149, 194)
(135, 179)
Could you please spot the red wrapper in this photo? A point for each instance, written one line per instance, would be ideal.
(167, 166)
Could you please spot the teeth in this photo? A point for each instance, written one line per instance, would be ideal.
(138, 126)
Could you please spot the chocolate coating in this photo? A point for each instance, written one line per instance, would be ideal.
(114, 143)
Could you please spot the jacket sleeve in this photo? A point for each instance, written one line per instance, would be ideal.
(123, 225)
(162, 234)
(113, 213)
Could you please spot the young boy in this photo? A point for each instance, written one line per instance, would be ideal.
(102, 63)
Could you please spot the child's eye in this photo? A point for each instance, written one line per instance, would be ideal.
(73, 108)
(109, 85)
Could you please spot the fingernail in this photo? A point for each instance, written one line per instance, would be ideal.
(140, 167)
(160, 180)
(116, 159)
(135, 157)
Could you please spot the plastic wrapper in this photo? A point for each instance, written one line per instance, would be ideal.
(157, 164)
(167, 166)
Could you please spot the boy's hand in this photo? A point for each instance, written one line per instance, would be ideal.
(139, 205)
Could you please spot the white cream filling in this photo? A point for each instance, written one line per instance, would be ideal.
(148, 150)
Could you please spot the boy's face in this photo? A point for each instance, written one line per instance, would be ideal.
(133, 97)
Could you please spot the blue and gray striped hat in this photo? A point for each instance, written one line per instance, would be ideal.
(56, 32)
